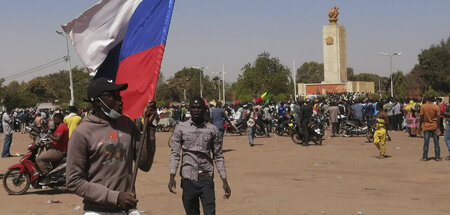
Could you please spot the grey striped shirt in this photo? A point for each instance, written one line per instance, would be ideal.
(196, 143)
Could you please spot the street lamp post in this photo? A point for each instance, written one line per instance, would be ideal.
(69, 64)
(218, 83)
(295, 87)
(223, 82)
(390, 59)
(201, 77)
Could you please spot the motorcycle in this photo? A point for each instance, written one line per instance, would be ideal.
(241, 127)
(21, 176)
(316, 131)
(283, 127)
(351, 128)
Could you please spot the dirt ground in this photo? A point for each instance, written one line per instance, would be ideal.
(277, 176)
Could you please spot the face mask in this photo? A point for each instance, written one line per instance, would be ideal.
(112, 114)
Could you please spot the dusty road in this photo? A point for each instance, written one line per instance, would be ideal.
(279, 177)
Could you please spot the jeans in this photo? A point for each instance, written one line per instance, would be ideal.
(221, 132)
(7, 145)
(193, 190)
(447, 135)
(251, 135)
(437, 150)
(391, 123)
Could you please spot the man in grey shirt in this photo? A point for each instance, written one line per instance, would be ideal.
(398, 117)
(8, 123)
(389, 107)
(196, 139)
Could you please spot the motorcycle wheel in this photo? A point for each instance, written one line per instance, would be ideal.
(16, 183)
(279, 132)
(240, 132)
(258, 132)
(369, 136)
(317, 140)
(296, 138)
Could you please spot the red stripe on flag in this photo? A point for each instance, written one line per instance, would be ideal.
(141, 72)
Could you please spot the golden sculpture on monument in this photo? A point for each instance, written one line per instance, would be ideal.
(333, 14)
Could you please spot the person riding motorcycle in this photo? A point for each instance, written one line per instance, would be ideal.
(60, 140)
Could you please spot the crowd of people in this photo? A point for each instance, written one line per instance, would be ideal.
(106, 141)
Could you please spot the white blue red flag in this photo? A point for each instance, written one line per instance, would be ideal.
(124, 40)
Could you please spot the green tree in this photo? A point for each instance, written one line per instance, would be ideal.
(186, 81)
(350, 74)
(310, 72)
(399, 82)
(265, 74)
(42, 89)
(59, 83)
(15, 96)
(313, 72)
(433, 69)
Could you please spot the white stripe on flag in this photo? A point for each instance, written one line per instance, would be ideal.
(99, 29)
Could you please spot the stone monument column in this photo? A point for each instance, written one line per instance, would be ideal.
(334, 50)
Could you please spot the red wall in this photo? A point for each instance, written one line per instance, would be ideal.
(329, 88)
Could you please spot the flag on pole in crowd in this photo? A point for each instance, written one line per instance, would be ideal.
(124, 40)
(263, 97)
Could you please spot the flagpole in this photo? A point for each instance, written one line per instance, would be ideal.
(136, 165)
(293, 72)
(141, 145)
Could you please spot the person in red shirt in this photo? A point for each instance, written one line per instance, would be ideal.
(58, 151)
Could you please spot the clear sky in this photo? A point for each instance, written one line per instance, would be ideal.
(233, 32)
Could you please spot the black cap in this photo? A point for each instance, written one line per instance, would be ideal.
(101, 85)
(197, 101)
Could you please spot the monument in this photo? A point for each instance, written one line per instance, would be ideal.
(334, 50)
(335, 63)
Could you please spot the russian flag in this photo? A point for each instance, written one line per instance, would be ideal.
(124, 40)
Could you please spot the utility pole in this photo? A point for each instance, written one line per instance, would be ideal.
(201, 77)
(69, 64)
(295, 82)
(223, 82)
(392, 74)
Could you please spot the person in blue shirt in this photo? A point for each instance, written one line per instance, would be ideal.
(281, 111)
(218, 118)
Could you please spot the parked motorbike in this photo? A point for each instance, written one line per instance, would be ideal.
(350, 128)
(16, 125)
(19, 177)
(316, 131)
(283, 127)
(240, 128)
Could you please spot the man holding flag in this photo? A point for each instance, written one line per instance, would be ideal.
(102, 150)
(119, 41)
